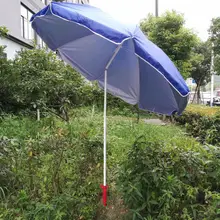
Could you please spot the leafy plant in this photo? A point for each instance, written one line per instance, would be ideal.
(169, 181)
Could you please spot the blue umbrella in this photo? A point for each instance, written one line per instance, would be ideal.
(120, 57)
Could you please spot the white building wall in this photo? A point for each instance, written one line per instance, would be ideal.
(11, 47)
(13, 23)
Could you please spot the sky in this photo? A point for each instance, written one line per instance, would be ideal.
(197, 13)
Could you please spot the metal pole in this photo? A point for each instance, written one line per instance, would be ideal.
(105, 127)
(212, 77)
(104, 186)
(105, 109)
(156, 8)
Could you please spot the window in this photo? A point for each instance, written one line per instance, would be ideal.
(26, 30)
(44, 1)
(41, 43)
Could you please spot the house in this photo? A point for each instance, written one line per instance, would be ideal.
(15, 15)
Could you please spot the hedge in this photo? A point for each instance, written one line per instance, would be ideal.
(202, 122)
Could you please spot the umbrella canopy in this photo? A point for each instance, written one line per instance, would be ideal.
(123, 61)
(87, 39)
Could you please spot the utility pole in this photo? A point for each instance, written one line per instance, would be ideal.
(156, 8)
(212, 77)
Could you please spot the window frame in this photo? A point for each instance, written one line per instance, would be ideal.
(26, 31)
(44, 2)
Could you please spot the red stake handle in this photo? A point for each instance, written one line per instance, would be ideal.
(104, 194)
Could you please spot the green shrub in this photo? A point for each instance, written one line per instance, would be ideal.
(171, 181)
(202, 122)
(48, 172)
(203, 110)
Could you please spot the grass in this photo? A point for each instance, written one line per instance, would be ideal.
(121, 131)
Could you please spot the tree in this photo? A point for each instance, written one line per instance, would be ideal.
(201, 61)
(168, 32)
(5, 81)
(5, 72)
(44, 81)
(214, 32)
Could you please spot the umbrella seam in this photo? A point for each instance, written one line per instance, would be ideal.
(162, 75)
(50, 8)
(39, 16)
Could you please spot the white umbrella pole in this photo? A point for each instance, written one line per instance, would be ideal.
(104, 186)
(105, 128)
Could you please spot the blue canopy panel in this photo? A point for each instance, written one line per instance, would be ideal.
(87, 19)
(86, 38)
